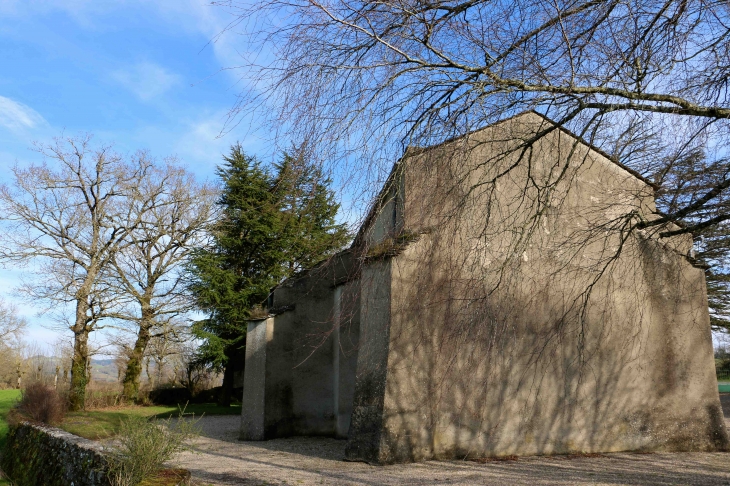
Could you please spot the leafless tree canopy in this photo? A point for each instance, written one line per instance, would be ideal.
(106, 235)
(644, 80)
(11, 324)
(69, 216)
(178, 214)
(147, 271)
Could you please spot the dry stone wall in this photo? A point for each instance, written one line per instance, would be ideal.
(42, 455)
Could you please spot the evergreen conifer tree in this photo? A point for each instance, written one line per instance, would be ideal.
(271, 225)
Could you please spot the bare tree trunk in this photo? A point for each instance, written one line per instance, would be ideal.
(159, 360)
(224, 400)
(147, 370)
(77, 390)
(134, 365)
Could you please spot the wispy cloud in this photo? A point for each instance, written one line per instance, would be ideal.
(202, 143)
(147, 80)
(191, 16)
(17, 117)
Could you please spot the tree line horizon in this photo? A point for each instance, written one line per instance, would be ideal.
(133, 246)
(356, 83)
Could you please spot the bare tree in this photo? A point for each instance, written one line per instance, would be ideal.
(516, 256)
(36, 363)
(63, 348)
(11, 325)
(9, 363)
(148, 270)
(11, 330)
(191, 372)
(68, 217)
(171, 339)
(646, 81)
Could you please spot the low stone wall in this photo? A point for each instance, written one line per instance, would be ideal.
(42, 455)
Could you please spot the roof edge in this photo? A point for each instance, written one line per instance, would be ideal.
(599, 151)
(413, 150)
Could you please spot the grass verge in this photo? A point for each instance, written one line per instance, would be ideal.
(167, 477)
(104, 423)
(8, 398)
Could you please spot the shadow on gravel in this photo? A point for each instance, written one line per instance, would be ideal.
(318, 460)
(329, 448)
(638, 470)
(319, 447)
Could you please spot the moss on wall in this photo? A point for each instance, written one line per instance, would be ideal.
(40, 455)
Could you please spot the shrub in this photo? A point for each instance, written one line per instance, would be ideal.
(169, 396)
(103, 395)
(42, 403)
(143, 447)
(209, 396)
(5, 480)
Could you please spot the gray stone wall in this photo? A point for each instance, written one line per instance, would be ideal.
(526, 319)
(42, 455)
(301, 360)
(496, 302)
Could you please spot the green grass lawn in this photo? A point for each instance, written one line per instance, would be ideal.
(7, 400)
(103, 423)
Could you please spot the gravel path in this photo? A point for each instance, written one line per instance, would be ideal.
(220, 459)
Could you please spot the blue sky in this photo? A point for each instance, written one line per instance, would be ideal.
(141, 74)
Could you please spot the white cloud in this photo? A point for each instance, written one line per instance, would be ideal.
(191, 16)
(18, 117)
(201, 144)
(147, 80)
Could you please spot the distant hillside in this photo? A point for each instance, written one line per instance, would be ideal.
(104, 370)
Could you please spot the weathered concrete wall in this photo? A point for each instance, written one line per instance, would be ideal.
(254, 397)
(307, 353)
(533, 379)
(525, 320)
(45, 456)
(346, 342)
(365, 435)
(499, 301)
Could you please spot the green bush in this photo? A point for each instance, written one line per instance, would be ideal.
(722, 365)
(42, 403)
(170, 396)
(143, 446)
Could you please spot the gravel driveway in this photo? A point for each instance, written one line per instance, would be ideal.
(220, 459)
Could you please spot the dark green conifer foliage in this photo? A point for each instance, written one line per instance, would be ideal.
(690, 178)
(308, 212)
(270, 226)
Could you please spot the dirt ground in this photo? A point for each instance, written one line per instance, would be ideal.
(220, 459)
